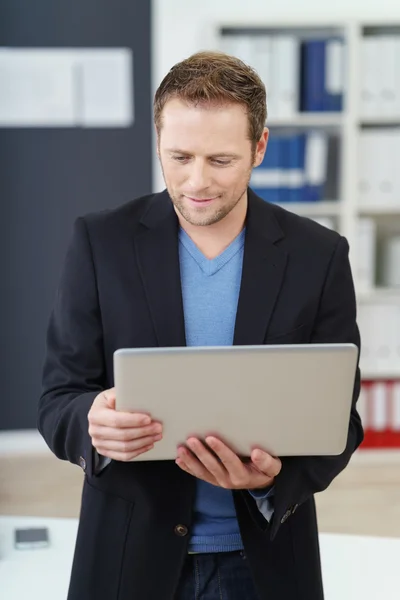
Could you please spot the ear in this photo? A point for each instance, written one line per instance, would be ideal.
(261, 147)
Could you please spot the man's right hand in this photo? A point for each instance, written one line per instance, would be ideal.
(120, 435)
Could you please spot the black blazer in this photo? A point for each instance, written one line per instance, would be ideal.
(120, 287)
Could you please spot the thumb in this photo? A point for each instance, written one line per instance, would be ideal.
(109, 396)
(268, 464)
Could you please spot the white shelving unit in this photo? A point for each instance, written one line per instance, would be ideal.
(309, 120)
(378, 121)
(379, 294)
(383, 209)
(383, 374)
(346, 209)
(325, 208)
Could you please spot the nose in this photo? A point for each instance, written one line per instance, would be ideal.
(198, 177)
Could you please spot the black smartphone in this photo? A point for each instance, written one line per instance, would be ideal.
(30, 538)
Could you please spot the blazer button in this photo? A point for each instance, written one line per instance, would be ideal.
(82, 463)
(286, 516)
(181, 530)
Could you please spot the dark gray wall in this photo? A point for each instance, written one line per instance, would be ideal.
(50, 176)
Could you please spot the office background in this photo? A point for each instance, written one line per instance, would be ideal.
(334, 155)
(51, 173)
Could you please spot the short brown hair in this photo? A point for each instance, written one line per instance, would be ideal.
(217, 78)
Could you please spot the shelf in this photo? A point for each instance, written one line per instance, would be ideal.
(315, 209)
(380, 121)
(345, 127)
(308, 120)
(379, 294)
(370, 374)
(389, 209)
(247, 22)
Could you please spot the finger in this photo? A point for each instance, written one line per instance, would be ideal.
(204, 477)
(126, 457)
(266, 463)
(125, 447)
(118, 419)
(110, 397)
(237, 471)
(208, 461)
(126, 434)
(194, 466)
(183, 466)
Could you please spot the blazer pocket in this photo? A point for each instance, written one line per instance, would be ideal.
(286, 335)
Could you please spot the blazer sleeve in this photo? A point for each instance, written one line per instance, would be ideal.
(74, 366)
(301, 477)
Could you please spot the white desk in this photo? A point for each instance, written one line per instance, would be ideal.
(354, 567)
(41, 574)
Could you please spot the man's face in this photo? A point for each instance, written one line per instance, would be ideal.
(206, 158)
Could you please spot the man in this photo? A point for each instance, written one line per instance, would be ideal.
(206, 262)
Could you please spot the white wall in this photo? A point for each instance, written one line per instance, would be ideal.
(181, 27)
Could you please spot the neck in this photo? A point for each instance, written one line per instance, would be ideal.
(213, 239)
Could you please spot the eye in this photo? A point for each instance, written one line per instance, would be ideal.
(180, 159)
(221, 163)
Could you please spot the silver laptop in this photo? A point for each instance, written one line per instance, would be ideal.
(288, 400)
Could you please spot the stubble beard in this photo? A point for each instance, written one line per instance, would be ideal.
(205, 217)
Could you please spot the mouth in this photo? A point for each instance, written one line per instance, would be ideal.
(201, 201)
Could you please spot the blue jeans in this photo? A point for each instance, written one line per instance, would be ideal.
(217, 576)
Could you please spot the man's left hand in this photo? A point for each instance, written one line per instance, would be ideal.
(229, 472)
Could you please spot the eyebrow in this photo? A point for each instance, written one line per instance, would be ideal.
(214, 155)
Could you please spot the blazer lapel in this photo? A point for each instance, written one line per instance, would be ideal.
(264, 266)
(157, 254)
